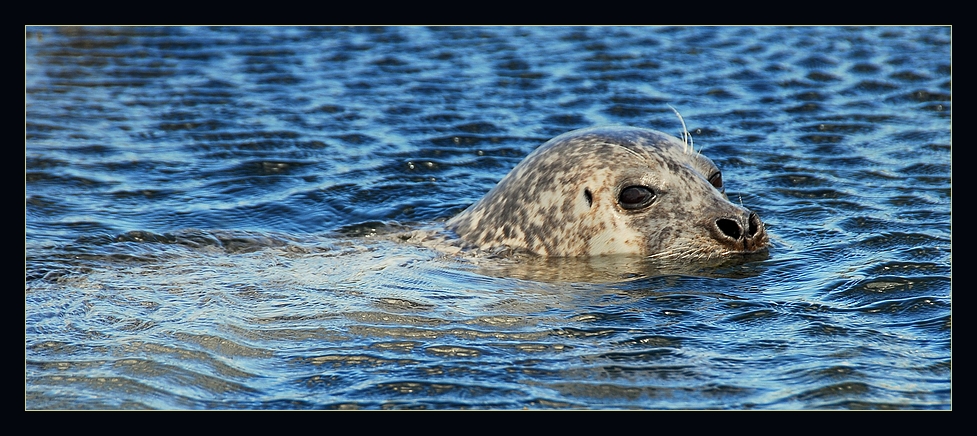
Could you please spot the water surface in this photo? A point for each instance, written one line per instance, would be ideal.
(209, 211)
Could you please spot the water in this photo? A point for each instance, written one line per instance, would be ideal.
(212, 219)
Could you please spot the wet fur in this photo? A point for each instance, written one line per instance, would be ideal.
(562, 200)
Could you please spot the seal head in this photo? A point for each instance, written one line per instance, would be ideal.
(608, 190)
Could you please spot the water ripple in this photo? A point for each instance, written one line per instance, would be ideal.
(216, 218)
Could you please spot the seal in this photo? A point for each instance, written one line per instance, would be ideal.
(609, 190)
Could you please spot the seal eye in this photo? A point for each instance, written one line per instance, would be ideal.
(717, 181)
(636, 197)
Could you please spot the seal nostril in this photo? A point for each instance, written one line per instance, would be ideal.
(754, 225)
(729, 228)
(589, 197)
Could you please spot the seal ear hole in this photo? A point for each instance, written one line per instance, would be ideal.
(589, 197)
(636, 197)
(717, 181)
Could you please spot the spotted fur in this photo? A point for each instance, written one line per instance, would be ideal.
(563, 200)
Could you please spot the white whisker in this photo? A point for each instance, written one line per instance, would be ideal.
(686, 136)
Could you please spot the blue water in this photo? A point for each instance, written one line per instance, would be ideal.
(209, 215)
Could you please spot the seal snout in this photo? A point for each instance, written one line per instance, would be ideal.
(742, 235)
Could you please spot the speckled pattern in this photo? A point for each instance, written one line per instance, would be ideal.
(562, 201)
(237, 218)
